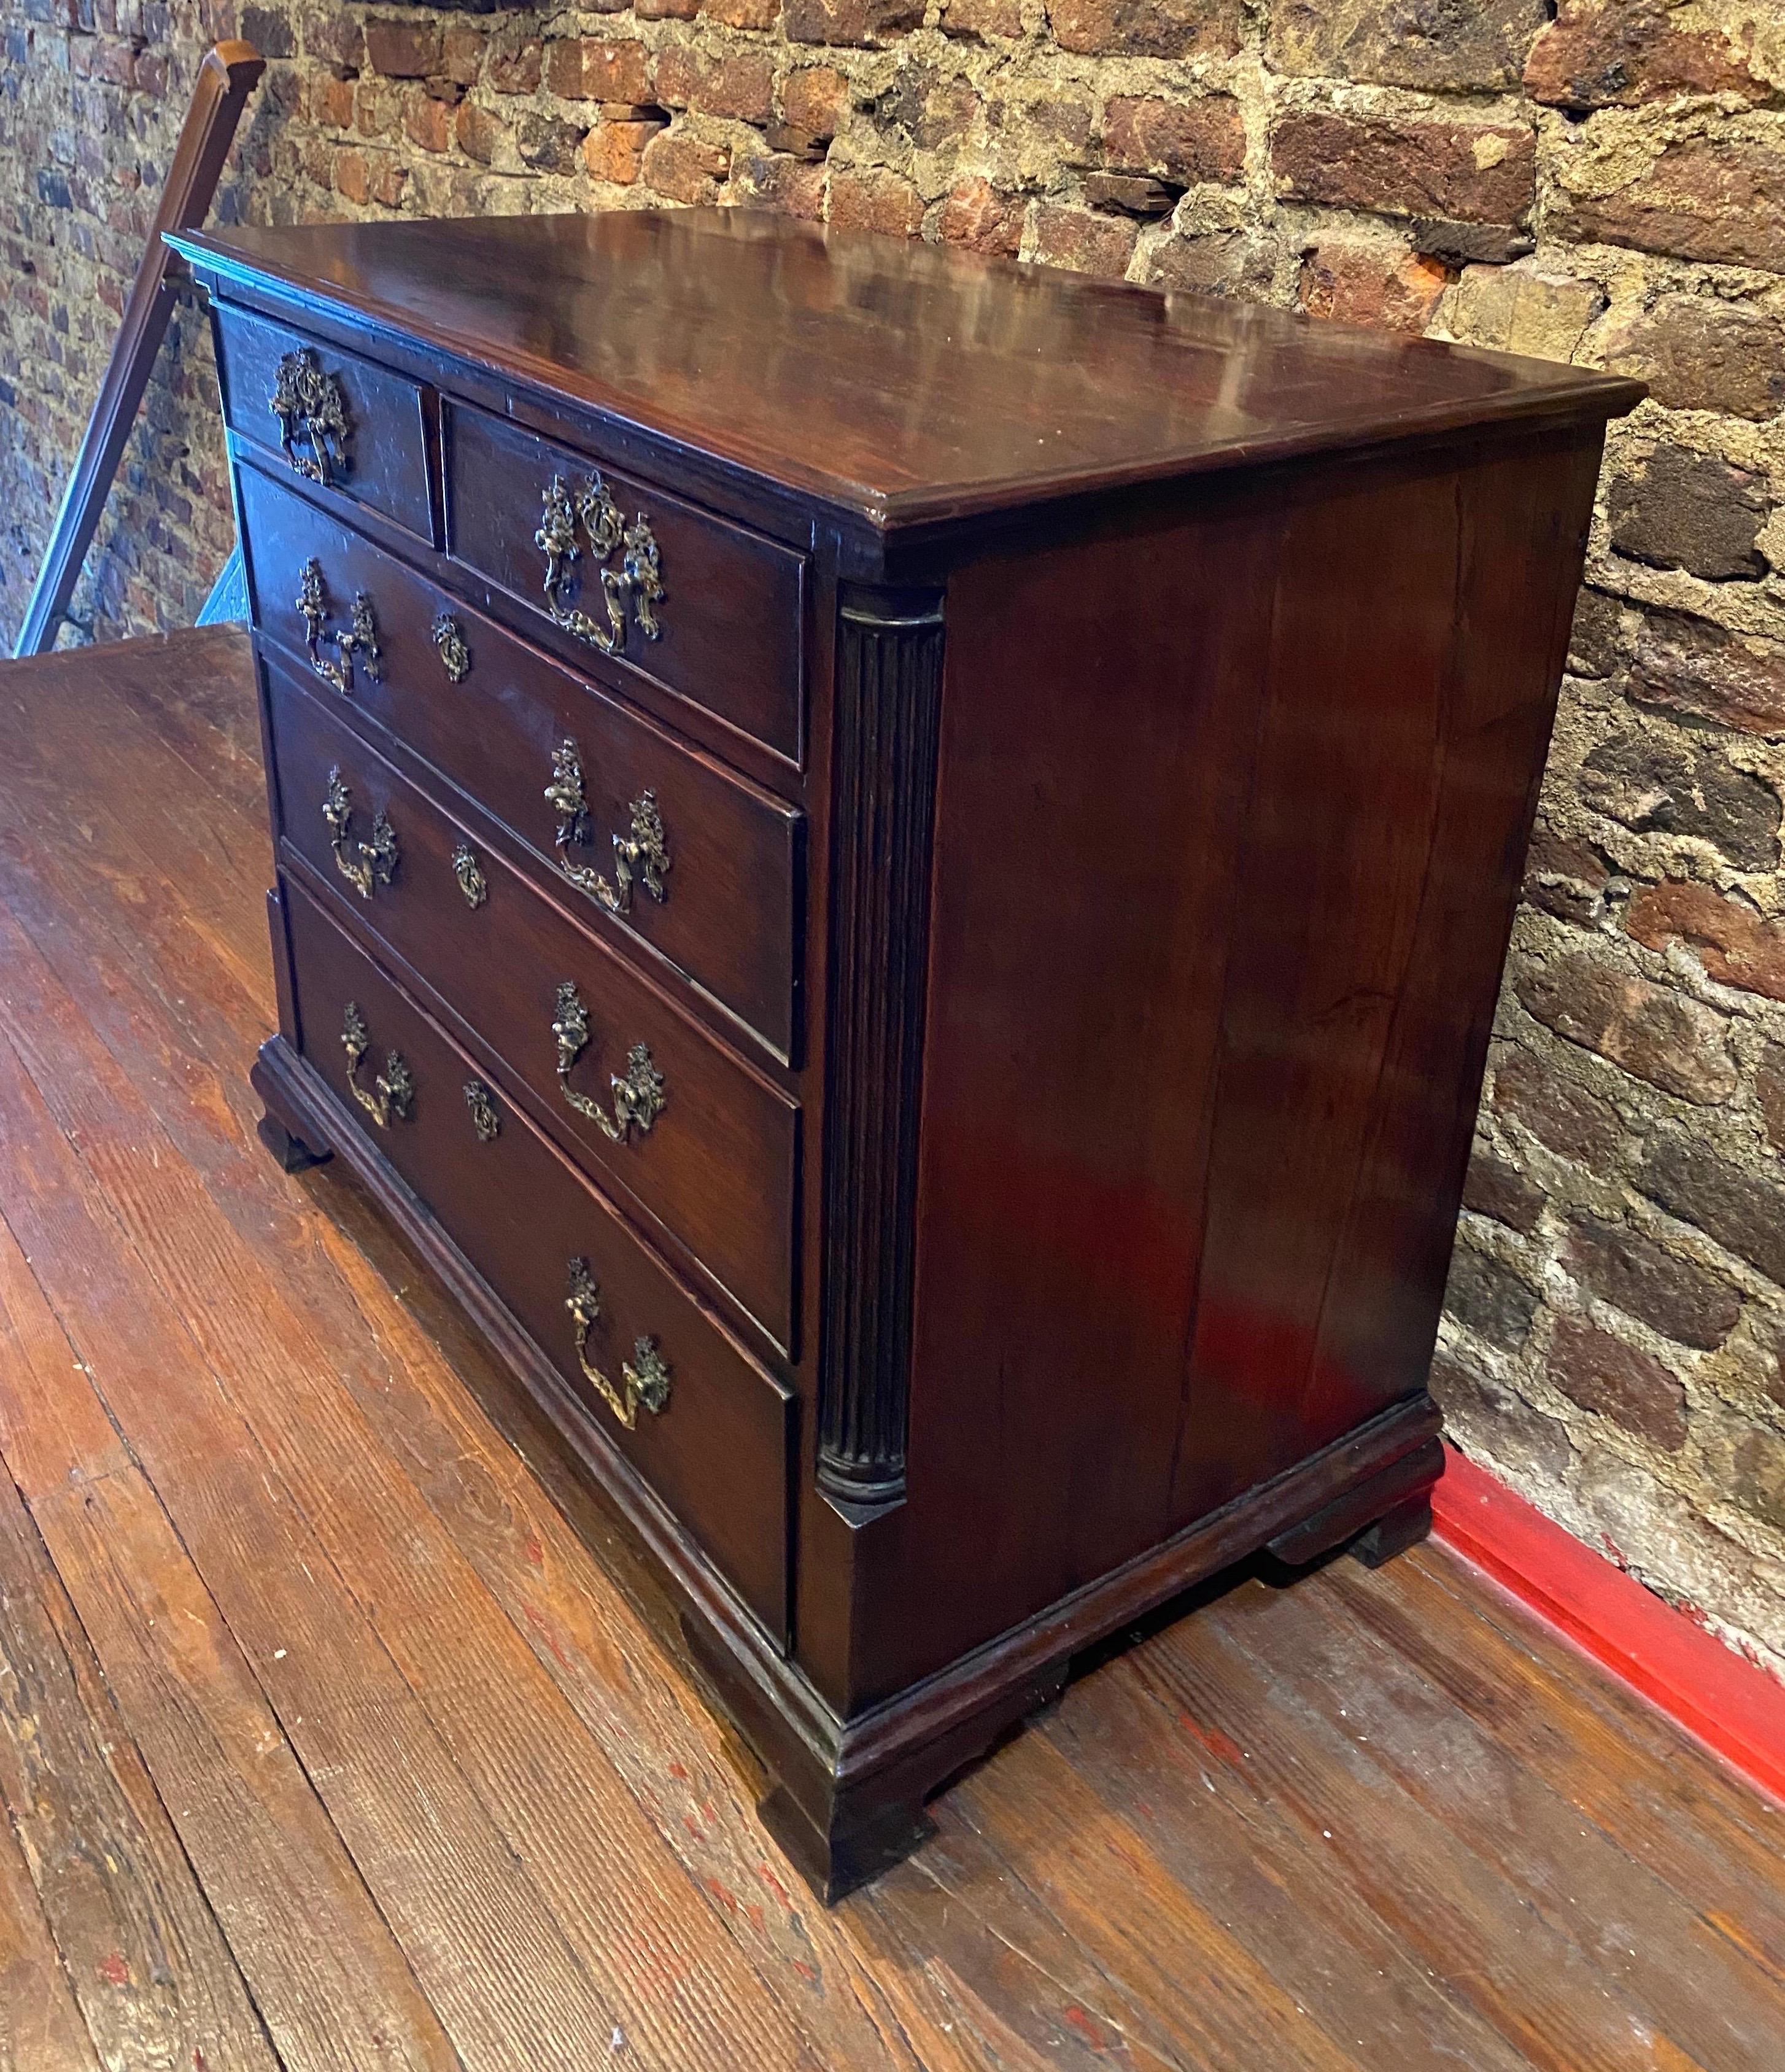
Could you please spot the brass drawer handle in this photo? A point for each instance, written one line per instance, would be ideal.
(486, 1118)
(639, 1096)
(363, 865)
(644, 1378)
(310, 408)
(470, 873)
(391, 1095)
(360, 636)
(637, 579)
(640, 857)
(450, 640)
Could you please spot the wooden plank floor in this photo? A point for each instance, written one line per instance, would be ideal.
(338, 1728)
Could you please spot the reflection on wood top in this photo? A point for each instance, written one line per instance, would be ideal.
(902, 381)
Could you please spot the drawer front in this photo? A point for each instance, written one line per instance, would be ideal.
(726, 605)
(702, 1143)
(724, 906)
(338, 419)
(715, 1448)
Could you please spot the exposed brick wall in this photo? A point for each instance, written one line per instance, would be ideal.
(1607, 186)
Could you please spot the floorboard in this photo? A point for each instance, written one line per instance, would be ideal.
(341, 1726)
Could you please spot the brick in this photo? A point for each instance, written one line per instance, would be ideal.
(1494, 1187)
(665, 11)
(478, 132)
(977, 215)
(331, 101)
(336, 38)
(1691, 511)
(1232, 262)
(873, 198)
(1656, 786)
(428, 122)
(1489, 1299)
(549, 144)
(591, 68)
(1735, 944)
(681, 168)
(1543, 315)
(1622, 53)
(268, 30)
(741, 13)
(1696, 353)
(614, 151)
(1621, 1382)
(403, 50)
(1147, 28)
(516, 63)
(1596, 643)
(1082, 240)
(1383, 286)
(1497, 1417)
(1566, 876)
(927, 107)
(1744, 1211)
(1564, 1117)
(739, 85)
(790, 186)
(1682, 1301)
(1134, 193)
(1719, 199)
(1469, 243)
(860, 22)
(461, 53)
(1674, 1043)
(1185, 141)
(1475, 173)
(1757, 1475)
(1696, 666)
(981, 19)
(1429, 44)
(815, 99)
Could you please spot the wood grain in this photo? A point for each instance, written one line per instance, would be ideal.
(1145, 1878)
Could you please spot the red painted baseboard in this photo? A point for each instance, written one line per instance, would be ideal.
(1735, 1708)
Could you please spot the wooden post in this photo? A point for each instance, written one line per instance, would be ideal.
(226, 79)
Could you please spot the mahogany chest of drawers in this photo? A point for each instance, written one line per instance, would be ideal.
(897, 867)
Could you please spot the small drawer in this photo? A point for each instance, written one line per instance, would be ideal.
(336, 418)
(617, 568)
(710, 1429)
(651, 1102)
(721, 901)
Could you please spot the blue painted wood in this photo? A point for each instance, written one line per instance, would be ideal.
(229, 598)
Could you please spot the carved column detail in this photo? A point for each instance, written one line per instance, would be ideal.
(888, 709)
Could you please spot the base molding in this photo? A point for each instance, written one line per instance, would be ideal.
(1730, 1704)
(846, 1797)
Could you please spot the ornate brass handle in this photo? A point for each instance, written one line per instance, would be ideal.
(455, 657)
(470, 873)
(637, 579)
(359, 638)
(486, 1116)
(309, 405)
(640, 857)
(644, 1378)
(363, 865)
(639, 1096)
(391, 1095)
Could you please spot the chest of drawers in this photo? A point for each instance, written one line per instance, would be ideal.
(895, 867)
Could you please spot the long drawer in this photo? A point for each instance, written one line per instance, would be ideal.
(711, 1431)
(356, 428)
(649, 1099)
(667, 846)
(613, 565)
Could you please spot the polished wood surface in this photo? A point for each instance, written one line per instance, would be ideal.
(229, 73)
(1164, 837)
(906, 382)
(331, 1741)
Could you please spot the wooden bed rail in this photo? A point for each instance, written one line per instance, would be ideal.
(226, 79)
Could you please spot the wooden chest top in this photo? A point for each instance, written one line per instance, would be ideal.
(900, 383)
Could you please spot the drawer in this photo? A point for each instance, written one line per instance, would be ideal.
(707, 610)
(338, 419)
(651, 1102)
(725, 909)
(715, 1448)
